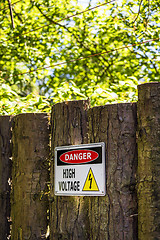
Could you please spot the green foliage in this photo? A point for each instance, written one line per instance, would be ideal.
(11, 102)
(26, 86)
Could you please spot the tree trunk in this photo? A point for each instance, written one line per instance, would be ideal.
(30, 176)
(5, 175)
(68, 214)
(149, 161)
(114, 216)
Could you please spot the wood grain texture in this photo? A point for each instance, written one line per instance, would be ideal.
(114, 216)
(149, 161)
(30, 141)
(5, 175)
(68, 215)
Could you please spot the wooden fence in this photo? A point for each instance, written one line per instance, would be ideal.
(131, 208)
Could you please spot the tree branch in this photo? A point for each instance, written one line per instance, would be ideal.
(73, 34)
(138, 11)
(18, 15)
(11, 13)
(67, 29)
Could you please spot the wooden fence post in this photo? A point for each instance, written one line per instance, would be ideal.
(114, 216)
(149, 161)
(30, 139)
(5, 175)
(68, 215)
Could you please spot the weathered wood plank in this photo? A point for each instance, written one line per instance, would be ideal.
(68, 215)
(30, 141)
(149, 161)
(114, 216)
(5, 175)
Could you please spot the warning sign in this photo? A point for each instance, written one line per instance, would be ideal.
(90, 183)
(80, 170)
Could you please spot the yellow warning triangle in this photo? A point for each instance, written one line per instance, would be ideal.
(90, 183)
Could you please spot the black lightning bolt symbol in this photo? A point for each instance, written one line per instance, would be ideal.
(90, 179)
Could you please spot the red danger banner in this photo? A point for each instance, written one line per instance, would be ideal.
(79, 156)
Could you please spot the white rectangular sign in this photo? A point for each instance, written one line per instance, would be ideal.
(80, 170)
